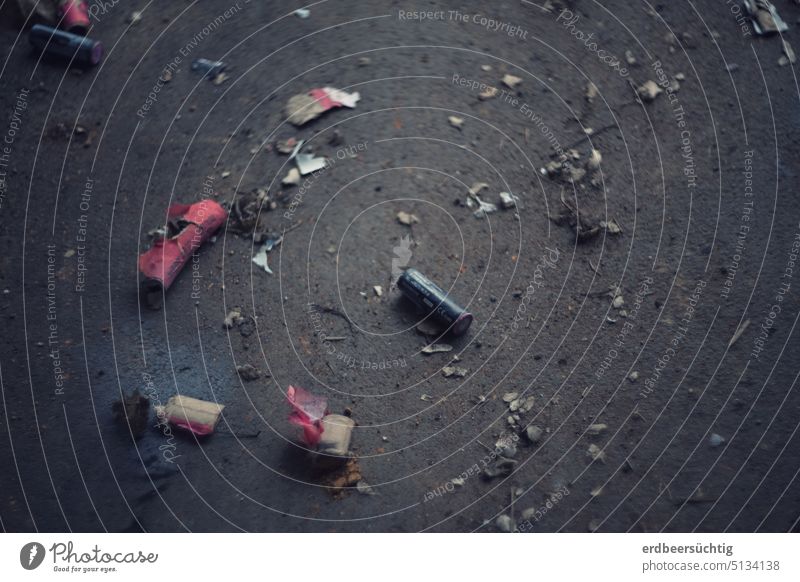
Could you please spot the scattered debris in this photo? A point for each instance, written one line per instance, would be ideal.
(715, 440)
(306, 162)
(573, 174)
(135, 17)
(486, 68)
(308, 411)
(426, 398)
(596, 453)
(406, 218)
(488, 93)
(378, 290)
(437, 349)
(333, 448)
(649, 91)
(208, 68)
(74, 16)
(596, 491)
(484, 208)
(365, 488)
(292, 178)
(596, 429)
(261, 257)
(584, 229)
(428, 296)
(595, 158)
(505, 524)
(633, 376)
(534, 434)
(364, 61)
(246, 212)
(594, 525)
(591, 92)
(477, 187)
(37, 11)
(286, 146)
(765, 17)
(739, 331)
(347, 477)
(507, 200)
(304, 107)
(302, 13)
(629, 58)
(234, 317)
(611, 227)
(502, 467)
(456, 122)
(511, 81)
(134, 411)
(456, 371)
(788, 54)
(506, 447)
(336, 139)
(196, 416)
(510, 396)
(64, 45)
(189, 225)
(248, 372)
(529, 513)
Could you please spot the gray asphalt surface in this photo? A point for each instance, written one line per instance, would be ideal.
(702, 182)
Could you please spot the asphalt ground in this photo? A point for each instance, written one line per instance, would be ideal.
(700, 433)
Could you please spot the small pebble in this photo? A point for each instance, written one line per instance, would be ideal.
(715, 440)
(505, 524)
(596, 429)
(365, 488)
(534, 434)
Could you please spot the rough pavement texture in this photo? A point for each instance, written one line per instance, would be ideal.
(702, 182)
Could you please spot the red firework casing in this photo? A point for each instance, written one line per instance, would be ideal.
(74, 15)
(194, 224)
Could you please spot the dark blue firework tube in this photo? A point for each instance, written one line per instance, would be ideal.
(60, 43)
(427, 295)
